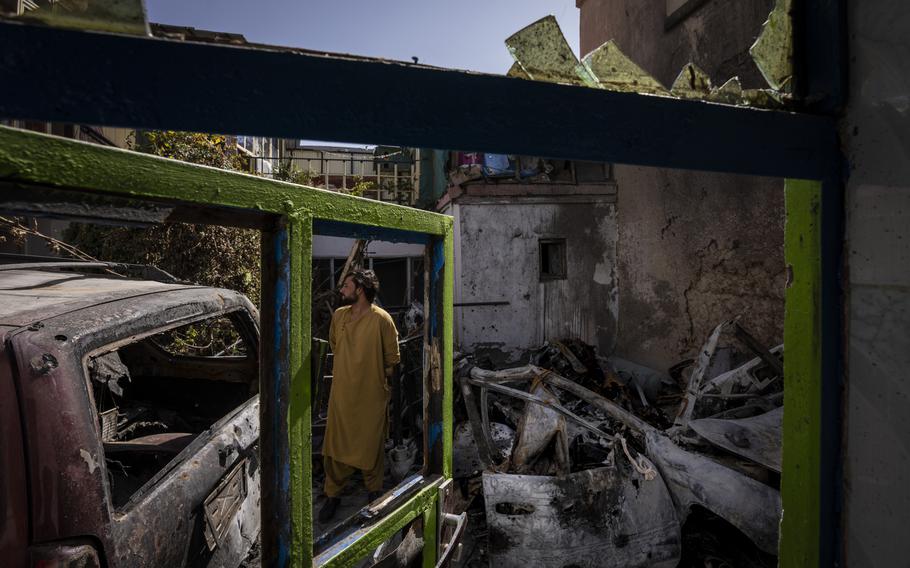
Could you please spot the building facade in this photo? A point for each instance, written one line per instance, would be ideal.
(535, 253)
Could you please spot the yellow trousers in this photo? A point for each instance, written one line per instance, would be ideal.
(337, 473)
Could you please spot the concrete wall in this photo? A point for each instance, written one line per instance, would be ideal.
(877, 137)
(694, 248)
(497, 250)
(707, 37)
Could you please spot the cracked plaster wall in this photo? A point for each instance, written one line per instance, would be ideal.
(497, 251)
(876, 133)
(694, 248)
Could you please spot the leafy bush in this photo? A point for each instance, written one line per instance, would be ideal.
(210, 255)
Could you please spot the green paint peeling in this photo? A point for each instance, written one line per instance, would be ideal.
(800, 528)
(773, 50)
(448, 354)
(40, 159)
(765, 98)
(425, 500)
(430, 550)
(542, 52)
(300, 243)
(616, 72)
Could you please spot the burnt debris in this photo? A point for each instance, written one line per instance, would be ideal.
(581, 457)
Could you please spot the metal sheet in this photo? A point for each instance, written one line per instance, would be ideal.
(223, 503)
(538, 427)
(592, 518)
(466, 458)
(750, 506)
(757, 438)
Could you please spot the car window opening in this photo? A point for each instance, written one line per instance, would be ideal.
(155, 396)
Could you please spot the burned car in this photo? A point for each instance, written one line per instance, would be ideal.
(584, 460)
(130, 420)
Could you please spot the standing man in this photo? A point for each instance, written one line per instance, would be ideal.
(364, 344)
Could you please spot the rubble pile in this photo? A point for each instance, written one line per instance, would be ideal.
(582, 458)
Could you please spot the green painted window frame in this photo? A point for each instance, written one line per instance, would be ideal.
(31, 162)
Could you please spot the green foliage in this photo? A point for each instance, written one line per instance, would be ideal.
(205, 149)
(360, 187)
(287, 172)
(214, 337)
(210, 255)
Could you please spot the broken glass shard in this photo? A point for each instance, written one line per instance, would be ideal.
(773, 50)
(691, 83)
(730, 93)
(616, 72)
(516, 71)
(765, 98)
(542, 52)
(116, 16)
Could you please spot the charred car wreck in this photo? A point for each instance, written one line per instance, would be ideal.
(590, 462)
(130, 420)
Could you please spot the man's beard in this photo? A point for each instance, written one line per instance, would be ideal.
(347, 300)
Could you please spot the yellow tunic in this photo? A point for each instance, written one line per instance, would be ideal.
(357, 422)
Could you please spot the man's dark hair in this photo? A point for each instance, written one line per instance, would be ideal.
(366, 279)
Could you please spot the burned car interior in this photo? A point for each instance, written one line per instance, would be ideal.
(154, 395)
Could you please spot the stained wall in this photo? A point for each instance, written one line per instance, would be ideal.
(503, 309)
(694, 248)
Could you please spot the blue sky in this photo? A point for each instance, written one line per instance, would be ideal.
(462, 35)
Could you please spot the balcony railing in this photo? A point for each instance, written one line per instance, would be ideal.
(395, 182)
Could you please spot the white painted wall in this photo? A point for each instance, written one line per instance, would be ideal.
(497, 259)
(339, 247)
(877, 136)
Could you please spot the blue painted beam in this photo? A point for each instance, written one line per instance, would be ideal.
(81, 77)
(274, 397)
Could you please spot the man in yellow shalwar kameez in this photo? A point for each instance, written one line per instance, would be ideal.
(364, 344)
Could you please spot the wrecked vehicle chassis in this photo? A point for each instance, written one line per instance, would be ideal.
(691, 479)
(588, 518)
(82, 488)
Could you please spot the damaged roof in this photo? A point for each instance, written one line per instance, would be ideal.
(28, 295)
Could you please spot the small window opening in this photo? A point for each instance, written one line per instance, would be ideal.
(552, 259)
